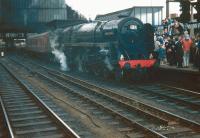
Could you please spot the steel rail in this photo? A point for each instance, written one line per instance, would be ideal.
(149, 108)
(68, 131)
(11, 134)
(181, 90)
(170, 98)
(164, 113)
(131, 122)
(126, 105)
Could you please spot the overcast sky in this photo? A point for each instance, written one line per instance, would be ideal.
(90, 8)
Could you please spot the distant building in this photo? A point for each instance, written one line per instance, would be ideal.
(148, 14)
(34, 15)
(31, 14)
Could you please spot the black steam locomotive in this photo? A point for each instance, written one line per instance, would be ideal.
(121, 47)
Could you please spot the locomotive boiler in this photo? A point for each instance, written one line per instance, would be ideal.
(120, 47)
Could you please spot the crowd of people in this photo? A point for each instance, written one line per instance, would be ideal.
(175, 46)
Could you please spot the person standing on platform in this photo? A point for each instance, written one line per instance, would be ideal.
(170, 49)
(179, 52)
(161, 54)
(187, 43)
(157, 46)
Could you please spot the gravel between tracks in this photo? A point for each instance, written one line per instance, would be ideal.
(97, 126)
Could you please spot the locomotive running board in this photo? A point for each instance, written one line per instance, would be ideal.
(85, 44)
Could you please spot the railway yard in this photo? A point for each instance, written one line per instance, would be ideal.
(39, 100)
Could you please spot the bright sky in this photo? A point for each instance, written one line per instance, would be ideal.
(91, 8)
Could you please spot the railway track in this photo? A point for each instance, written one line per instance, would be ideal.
(27, 114)
(179, 93)
(113, 117)
(5, 127)
(190, 101)
(187, 102)
(117, 103)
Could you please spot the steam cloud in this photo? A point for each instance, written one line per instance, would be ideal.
(105, 52)
(108, 64)
(58, 52)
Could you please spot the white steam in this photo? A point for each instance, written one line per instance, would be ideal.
(108, 64)
(105, 52)
(58, 53)
(60, 56)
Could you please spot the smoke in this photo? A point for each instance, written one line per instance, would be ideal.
(60, 56)
(105, 53)
(58, 52)
(108, 64)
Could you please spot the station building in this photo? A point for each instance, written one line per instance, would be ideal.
(20, 14)
(147, 14)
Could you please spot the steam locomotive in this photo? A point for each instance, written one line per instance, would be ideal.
(119, 47)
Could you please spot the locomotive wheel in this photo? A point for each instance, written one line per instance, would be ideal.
(119, 74)
(106, 73)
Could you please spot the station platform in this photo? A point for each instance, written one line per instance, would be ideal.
(190, 69)
(188, 78)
